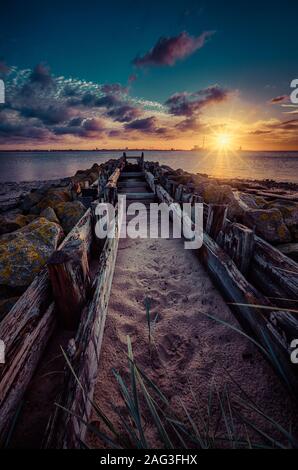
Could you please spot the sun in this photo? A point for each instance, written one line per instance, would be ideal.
(223, 141)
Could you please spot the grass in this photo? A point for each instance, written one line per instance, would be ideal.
(145, 407)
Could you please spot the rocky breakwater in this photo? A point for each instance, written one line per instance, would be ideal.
(34, 227)
(270, 208)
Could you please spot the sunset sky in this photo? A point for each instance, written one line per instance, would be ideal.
(156, 74)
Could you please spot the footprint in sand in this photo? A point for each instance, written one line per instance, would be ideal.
(176, 351)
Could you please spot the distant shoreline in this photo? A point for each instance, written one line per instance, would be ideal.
(133, 150)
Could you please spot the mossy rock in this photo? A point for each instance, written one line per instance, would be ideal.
(214, 194)
(69, 213)
(269, 225)
(289, 211)
(54, 197)
(50, 215)
(24, 252)
(12, 222)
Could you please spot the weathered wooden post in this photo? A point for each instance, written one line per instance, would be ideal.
(217, 214)
(141, 162)
(70, 279)
(238, 242)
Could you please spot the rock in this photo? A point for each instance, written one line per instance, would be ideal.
(269, 225)
(24, 252)
(288, 209)
(214, 194)
(12, 222)
(50, 215)
(6, 305)
(252, 202)
(69, 213)
(289, 212)
(54, 197)
(290, 250)
(30, 200)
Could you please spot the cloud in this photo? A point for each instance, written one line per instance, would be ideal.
(189, 124)
(191, 104)
(279, 99)
(87, 128)
(125, 113)
(49, 115)
(42, 76)
(114, 88)
(168, 50)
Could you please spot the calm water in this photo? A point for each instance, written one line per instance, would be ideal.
(281, 166)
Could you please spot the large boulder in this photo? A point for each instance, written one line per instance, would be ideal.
(69, 213)
(54, 197)
(289, 212)
(11, 222)
(269, 224)
(50, 215)
(24, 252)
(222, 194)
(217, 194)
(31, 200)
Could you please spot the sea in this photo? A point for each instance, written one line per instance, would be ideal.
(35, 166)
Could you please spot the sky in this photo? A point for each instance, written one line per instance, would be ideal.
(158, 74)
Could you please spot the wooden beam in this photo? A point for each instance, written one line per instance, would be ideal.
(70, 280)
(216, 219)
(238, 242)
(65, 431)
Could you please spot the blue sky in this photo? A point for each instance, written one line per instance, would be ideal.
(254, 48)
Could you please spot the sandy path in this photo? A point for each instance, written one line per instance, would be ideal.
(191, 348)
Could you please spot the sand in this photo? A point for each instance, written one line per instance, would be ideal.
(192, 352)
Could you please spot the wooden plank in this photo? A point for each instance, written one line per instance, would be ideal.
(136, 196)
(132, 174)
(217, 215)
(65, 431)
(21, 362)
(238, 242)
(70, 280)
(276, 274)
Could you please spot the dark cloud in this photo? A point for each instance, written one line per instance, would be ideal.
(42, 76)
(279, 99)
(114, 88)
(144, 125)
(90, 100)
(289, 127)
(125, 113)
(50, 115)
(87, 128)
(189, 124)
(22, 131)
(148, 125)
(168, 51)
(191, 104)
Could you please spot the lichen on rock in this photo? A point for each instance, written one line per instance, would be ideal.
(24, 252)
